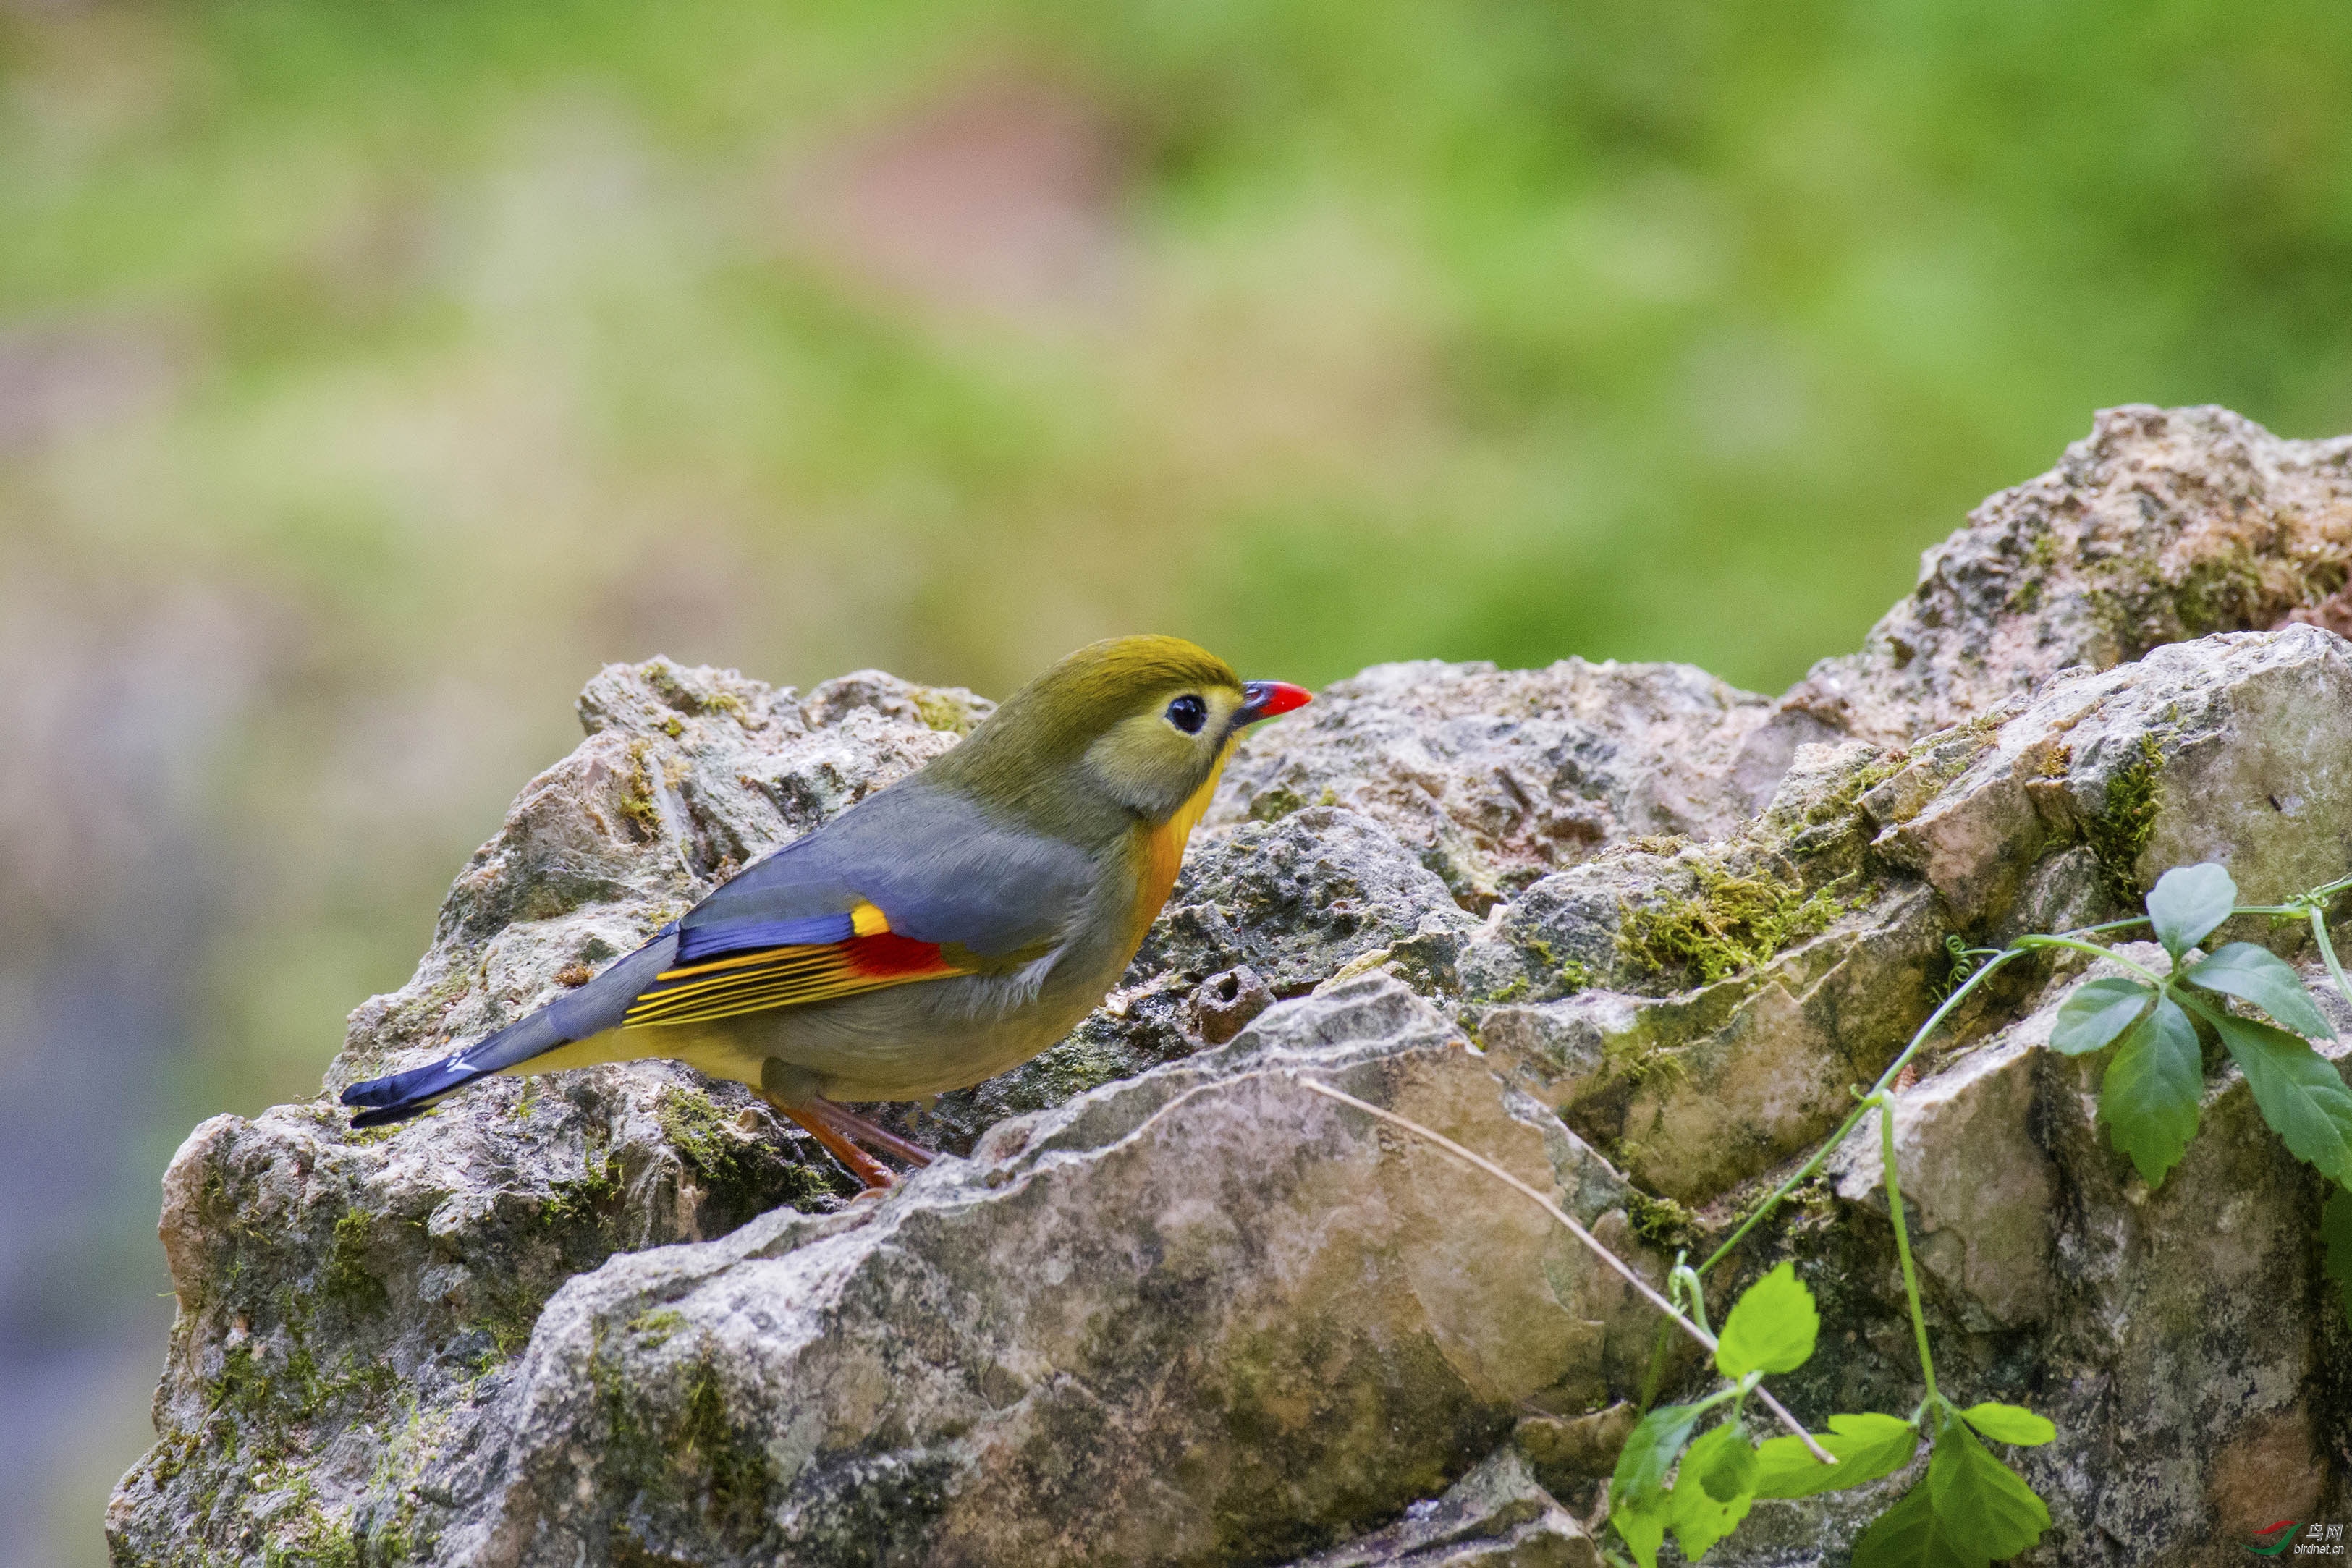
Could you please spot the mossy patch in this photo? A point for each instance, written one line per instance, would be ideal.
(2119, 831)
(1734, 921)
(662, 676)
(1661, 1222)
(732, 1465)
(507, 1316)
(742, 1175)
(2223, 592)
(316, 1539)
(637, 804)
(1569, 974)
(941, 712)
(701, 1456)
(589, 1200)
(346, 1280)
(1273, 805)
(657, 1327)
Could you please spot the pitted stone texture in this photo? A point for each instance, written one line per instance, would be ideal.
(1203, 1316)
(1494, 778)
(1697, 1093)
(2161, 526)
(1497, 1515)
(2234, 748)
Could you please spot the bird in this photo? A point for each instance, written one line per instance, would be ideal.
(946, 928)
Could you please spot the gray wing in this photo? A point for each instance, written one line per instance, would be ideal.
(940, 868)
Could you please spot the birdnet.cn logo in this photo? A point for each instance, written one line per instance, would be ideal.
(2283, 1538)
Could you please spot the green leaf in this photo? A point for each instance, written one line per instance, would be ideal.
(1983, 1505)
(2148, 1098)
(1637, 1490)
(2336, 1232)
(1715, 1487)
(1771, 1328)
(2301, 1094)
(2011, 1424)
(1906, 1536)
(2188, 902)
(2097, 1012)
(1867, 1446)
(2261, 977)
(1643, 1528)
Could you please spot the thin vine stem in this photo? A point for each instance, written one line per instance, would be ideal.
(2095, 949)
(2327, 952)
(1805, 1172)
(1631, 1277)
(1903, 1241)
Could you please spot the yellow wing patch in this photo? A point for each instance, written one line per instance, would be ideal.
(871, 958)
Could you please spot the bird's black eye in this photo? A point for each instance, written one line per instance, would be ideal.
(1188, 713)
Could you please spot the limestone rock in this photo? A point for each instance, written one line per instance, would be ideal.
(1244, 1323)
(2235, 749)
(1497, 1515)
(1495, 776)
(2178, 1342)
(2161, 526)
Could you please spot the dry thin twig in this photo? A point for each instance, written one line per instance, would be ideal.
(1606, 1256)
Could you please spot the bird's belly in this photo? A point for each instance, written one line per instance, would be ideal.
(901, 1042)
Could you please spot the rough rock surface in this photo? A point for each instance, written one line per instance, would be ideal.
(1625, 930)
(2160, 526)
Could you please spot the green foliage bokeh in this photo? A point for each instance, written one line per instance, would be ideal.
(438, 350)
(465, 344)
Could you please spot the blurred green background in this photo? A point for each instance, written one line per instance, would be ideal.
(370, 372)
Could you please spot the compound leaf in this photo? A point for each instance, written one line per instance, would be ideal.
(2261, 977)
(2301, 1094)
(1867, 1446)
(1771, 1328)
(2188, 902)
(2148, 1098)
(2097, 1012)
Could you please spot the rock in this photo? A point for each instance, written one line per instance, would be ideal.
(2179, 1339)
(1226, 1002)
(2237, 748)
(2161, 526)
(1497, 1515)
(1164, 1303)
(1494, 778)
(816, 1387)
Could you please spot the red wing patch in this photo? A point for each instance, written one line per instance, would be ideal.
(767, 977)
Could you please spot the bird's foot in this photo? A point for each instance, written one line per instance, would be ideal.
(841, 1130)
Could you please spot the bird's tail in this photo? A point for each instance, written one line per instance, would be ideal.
(591, 1010)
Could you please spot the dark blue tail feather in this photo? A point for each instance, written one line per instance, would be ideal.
(592, 1009)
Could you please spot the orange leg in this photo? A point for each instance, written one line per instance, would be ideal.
(851, 1124)
(864, 1166)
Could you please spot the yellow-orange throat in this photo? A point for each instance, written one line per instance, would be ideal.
(1163, 850)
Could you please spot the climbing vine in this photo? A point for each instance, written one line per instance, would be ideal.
(1694, 1470)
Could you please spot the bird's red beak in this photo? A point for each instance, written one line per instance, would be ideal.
(1263, 699)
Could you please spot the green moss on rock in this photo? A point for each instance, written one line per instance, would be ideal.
(1734, 922)
(2119, 831)
(346, 1280)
